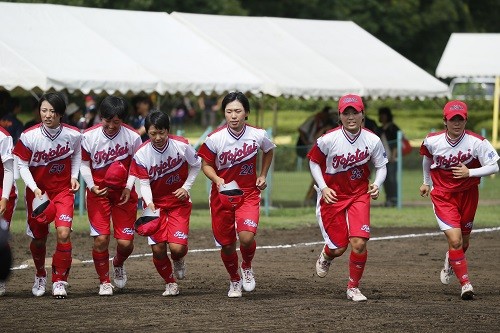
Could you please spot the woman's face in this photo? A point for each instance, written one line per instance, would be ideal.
(49, 116)
(158, 137)
(455, 126)
(111, 126)
(235, 115)
(351, 120)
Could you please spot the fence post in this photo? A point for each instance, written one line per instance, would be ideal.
(269, 180)
(399, 172)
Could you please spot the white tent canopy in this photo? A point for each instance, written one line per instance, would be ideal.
(315, 58)
(86, 49)
(58, 47)
(470, 55)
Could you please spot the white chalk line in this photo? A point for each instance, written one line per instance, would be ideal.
(287, 246)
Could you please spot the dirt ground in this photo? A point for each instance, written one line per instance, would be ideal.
(401, 282)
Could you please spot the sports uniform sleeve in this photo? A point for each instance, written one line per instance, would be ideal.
(316, 154)
(379, 155)
(24, 171)
(85, 149)
(87, 174)
(380, 174)
(424, 150)
(426, 169)
(488, 157)
(147, 195)
(266, 143)
(8, 177)
(137, 169)
(194, 162)
(21, 148)
(207, 151)
(317, 175)
(76, 158)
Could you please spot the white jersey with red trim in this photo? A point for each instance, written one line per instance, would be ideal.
(235, 156)
(49, 156)
(101, 149)
(344, 159)
(166, 169)
(470, 149)
(6, 147)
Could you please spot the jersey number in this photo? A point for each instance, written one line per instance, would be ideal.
(173, 179)
(246, 169)
(56, 168)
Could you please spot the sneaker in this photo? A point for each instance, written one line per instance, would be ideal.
(106, 289)
(179, 269)
(59, 289)
(467, 292)
(171, 289)
(447, 271)
(355, 295)
(120, 277)
(2, 288)
(234, 289)
(323, 264)
(39, 286)
(248, 279)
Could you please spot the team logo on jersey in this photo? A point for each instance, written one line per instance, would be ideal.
(238, 154)
(351, 159)
(453, 160)
(365, 228)
(128, 231)
(165, 166)
(180, 235)
(110, 154)
(52, 154)
(250, 223)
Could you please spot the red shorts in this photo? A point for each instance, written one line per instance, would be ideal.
(11, 205)
(64, 201)
(455, 209)
(174, 225)
(101, 210)
(344, 219)
(226, 224)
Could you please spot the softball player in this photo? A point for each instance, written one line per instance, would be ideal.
(49, 156)
(8, 190)
(102, 145)
(167, 166)
(454, 160)
(339, 165)
(230, 153)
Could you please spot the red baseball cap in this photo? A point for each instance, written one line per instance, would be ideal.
(231, 196)
(44, 210)
(351, 100)
(149, 223)
(116, 176)
(455, 108)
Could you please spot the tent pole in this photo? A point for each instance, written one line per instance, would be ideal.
(496, 101)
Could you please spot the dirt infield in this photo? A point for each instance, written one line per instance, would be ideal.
(401, 282)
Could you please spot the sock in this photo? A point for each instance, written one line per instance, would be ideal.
(356, 267)
(459, 263)
(121, 256)
(178, 256)
(247, 254)
(101, 263)
(61, 262)
(164, 268)
(38, 255)
(231, 263)
(328, 252)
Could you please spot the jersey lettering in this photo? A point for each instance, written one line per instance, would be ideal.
(351, 159)
(111, 153)
(238, 154)
(52, 154)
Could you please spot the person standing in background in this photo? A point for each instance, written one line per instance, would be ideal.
(388, 133)
(230, 154)
(49, 157)
(209, 106)
(454, 160)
